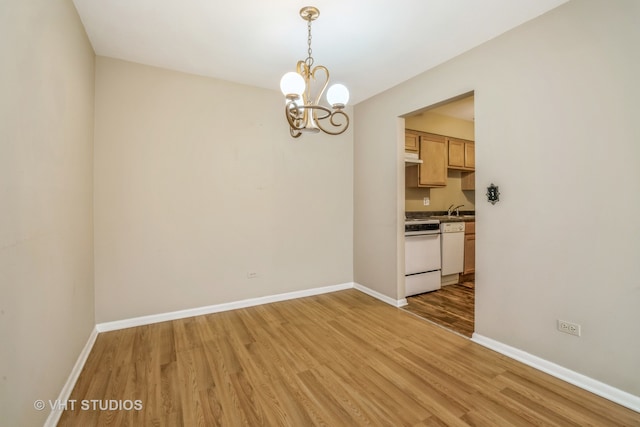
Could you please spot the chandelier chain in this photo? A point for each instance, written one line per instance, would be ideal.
(309, 60)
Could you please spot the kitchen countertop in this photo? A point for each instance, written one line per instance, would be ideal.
(465, 216)
(453, 218)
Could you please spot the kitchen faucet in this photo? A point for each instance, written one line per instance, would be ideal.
(450, 210)
(457, 209)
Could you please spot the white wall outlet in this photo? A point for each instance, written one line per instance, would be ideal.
(425, 201)
(568, 327)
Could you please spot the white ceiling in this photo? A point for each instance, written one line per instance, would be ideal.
(369, 45)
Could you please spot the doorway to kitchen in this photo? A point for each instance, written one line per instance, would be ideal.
(440, 186)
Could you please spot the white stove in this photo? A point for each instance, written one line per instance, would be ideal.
(422, 255)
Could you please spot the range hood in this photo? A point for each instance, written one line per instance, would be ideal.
(411, 162)
(411, 159)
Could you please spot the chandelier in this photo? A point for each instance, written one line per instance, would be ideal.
(303, 110)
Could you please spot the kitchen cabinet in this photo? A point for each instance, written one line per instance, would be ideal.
(468, 181)
(432, 172)
(469, 247)
(411, 142)
(461, 154)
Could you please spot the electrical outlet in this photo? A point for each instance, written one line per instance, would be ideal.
(569, 328)
(425, 201)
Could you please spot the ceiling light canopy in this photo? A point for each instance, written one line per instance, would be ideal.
(303, 110)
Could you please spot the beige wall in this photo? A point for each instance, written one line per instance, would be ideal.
(555, 115)
(198, 184)
(46, 236)
(440, 198)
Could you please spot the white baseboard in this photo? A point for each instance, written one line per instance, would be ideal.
(198, 311)
(396, 303)
(606, 391)
(65, 393)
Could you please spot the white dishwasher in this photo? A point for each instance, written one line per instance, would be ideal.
(452, 241)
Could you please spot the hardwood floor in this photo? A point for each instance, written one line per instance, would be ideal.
(338, 359)
(452, 307)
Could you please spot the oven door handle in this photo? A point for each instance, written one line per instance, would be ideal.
(420, 233)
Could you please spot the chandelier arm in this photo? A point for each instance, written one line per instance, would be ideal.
(293, 116)
(303, 69)
(296, 120)
(317, 109)
(326, 81)
(341, 126)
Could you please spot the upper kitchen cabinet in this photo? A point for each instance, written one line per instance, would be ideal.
(411, 142)
(461, 154)
(432, 172)
(468, 181)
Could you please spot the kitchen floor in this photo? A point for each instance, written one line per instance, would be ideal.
(452, 306)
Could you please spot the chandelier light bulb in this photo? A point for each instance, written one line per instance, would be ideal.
(292, 83)
(338, 95)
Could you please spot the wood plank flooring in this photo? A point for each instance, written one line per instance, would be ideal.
(338, 359)
(452, 307)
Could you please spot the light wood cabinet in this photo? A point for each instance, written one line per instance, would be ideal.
(460, 154)
(470, 155)
(455, 153)
(468, 181)
(469, 248)
(411, 142)
(432, 172)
